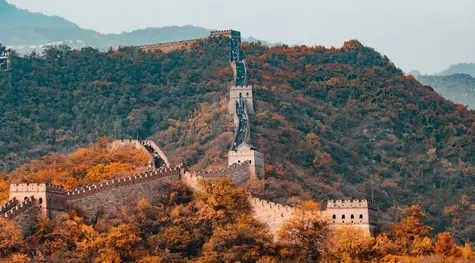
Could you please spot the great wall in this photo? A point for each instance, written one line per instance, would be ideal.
(28, 202)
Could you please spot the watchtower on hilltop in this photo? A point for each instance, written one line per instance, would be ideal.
(5, 60)
(353, 213)
(50, 199)
(246, 153)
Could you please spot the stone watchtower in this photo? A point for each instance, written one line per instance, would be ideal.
(240, 106)
(361, 214)
(50, 199)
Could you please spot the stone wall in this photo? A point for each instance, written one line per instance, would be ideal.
(135, 144)
(274, 215)
(8, 205)
(27, 219)
(170, 46)
(107, 198)
(156, 149)
(238, 172)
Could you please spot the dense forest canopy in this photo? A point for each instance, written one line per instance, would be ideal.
(332, 123)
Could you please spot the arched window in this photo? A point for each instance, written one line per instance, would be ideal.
(361, 216)
(247, 94)
(40, 201)
(342, 216)
(352, 216)
(25, 198)
(334, 217)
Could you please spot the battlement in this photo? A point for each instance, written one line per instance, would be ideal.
(270, 213)
(225, 33)
(35, 187)
(20, 208)
(242, 153)
(141, 145)
(363, 203)
(228, 172)
(7, 206)
(269, 205)
(242, 87)
(157, 150)
(128, 180)
(175, 45)
(169, 46)
(125, 142)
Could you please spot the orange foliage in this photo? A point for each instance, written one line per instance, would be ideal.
(84, 166)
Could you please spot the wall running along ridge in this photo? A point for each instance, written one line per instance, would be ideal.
(135, 144)
(245, 164)
(108, 197)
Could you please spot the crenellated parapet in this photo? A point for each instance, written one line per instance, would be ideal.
(148, 146)
(157, 150)
(270, 213)
(34, 187)
(353, 213)
(20, 208)
(8, 205)
(82, 192)
(227, 172)
(225, 33)
(170, 46)
(363, 203)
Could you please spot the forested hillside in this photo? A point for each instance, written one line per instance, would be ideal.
(332, 123)
(459, 88)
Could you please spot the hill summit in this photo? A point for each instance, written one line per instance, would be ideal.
(12, 17)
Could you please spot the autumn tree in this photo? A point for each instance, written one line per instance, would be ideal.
(226, 202)
(246, 240)
(304, 234)
(409, 236)
(11, 238)
(446, 246)
(349, 244)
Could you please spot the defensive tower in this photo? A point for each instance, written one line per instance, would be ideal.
(5, 60)
(240, 106)
(362, 214)
(50, 199)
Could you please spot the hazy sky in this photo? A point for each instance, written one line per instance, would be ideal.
(427, 35)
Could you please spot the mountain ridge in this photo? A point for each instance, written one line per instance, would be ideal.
(11, 17)
(329, 121)
(25, 31)
(460, 68)
(458, 87)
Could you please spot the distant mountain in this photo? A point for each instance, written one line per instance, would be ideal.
(464, 68)
(459, 88)
(13, 17)
(25, 31)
